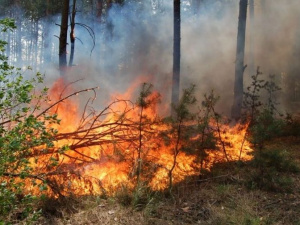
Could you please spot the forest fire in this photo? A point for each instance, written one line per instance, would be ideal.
(99, 152)
(219, 125)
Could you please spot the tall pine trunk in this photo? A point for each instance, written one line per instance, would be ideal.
(239, 64)
(251, 41)
(293, 76)
(176, 53)
(99, 9)
(72, 33)
(63, 37)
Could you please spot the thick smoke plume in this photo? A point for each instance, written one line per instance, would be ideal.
(134, 44)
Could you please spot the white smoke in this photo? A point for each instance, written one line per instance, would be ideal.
(136, 40)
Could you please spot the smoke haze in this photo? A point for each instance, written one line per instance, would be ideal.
(135, 44)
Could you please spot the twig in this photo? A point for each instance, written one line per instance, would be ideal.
(61, 100)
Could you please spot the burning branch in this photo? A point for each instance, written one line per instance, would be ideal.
(67, 97)
(122, 143)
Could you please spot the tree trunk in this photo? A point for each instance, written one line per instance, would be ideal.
(99, 9)
(176, 54)
(36, 46)
(109, 4)
(18, 18)
(292, 79)
(63, 37)
(47, 8)
(72, 34)
(251, 39)
(109, 24)
(46, 56)
(239, 64)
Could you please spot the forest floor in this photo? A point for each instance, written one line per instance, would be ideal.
(225, 195)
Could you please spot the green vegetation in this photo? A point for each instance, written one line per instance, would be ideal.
(21, 131)
(179, 133)
(266, 124)
(228, 194)
(272, 169)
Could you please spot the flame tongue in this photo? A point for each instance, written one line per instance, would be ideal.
(104, 149)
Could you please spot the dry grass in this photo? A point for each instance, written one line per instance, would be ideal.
(94, 211)
(222, 197)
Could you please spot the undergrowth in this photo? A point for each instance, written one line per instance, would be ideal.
(269, 165)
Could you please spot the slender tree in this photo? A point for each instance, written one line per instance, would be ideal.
(292, 79)
(63, 37)
(179, 132)
(45, 40)
(251, 42)
(109, 4)
(239, 64)
(72, 33)
(176, 53)
(99, 9)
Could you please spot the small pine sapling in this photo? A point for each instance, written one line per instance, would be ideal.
(147, 98)
(205, 138)
(179, 131)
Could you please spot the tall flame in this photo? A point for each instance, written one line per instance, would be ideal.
(104, 147)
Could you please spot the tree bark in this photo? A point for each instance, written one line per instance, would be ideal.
(99, 9)
(45, 31)
(176, 53)
(109, 4)
(47, 8)
(239, 64)
(251, 39)
(292, 79)
(63, 37)
(72, 33)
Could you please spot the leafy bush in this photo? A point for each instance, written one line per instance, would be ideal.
(22, 131)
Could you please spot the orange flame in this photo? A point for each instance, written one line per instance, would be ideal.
(103, 158)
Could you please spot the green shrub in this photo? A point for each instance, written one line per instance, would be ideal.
(269, 168)
(21, 131)
(291, 126)
(264, 128)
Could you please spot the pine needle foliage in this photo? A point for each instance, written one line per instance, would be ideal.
(267, 123)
